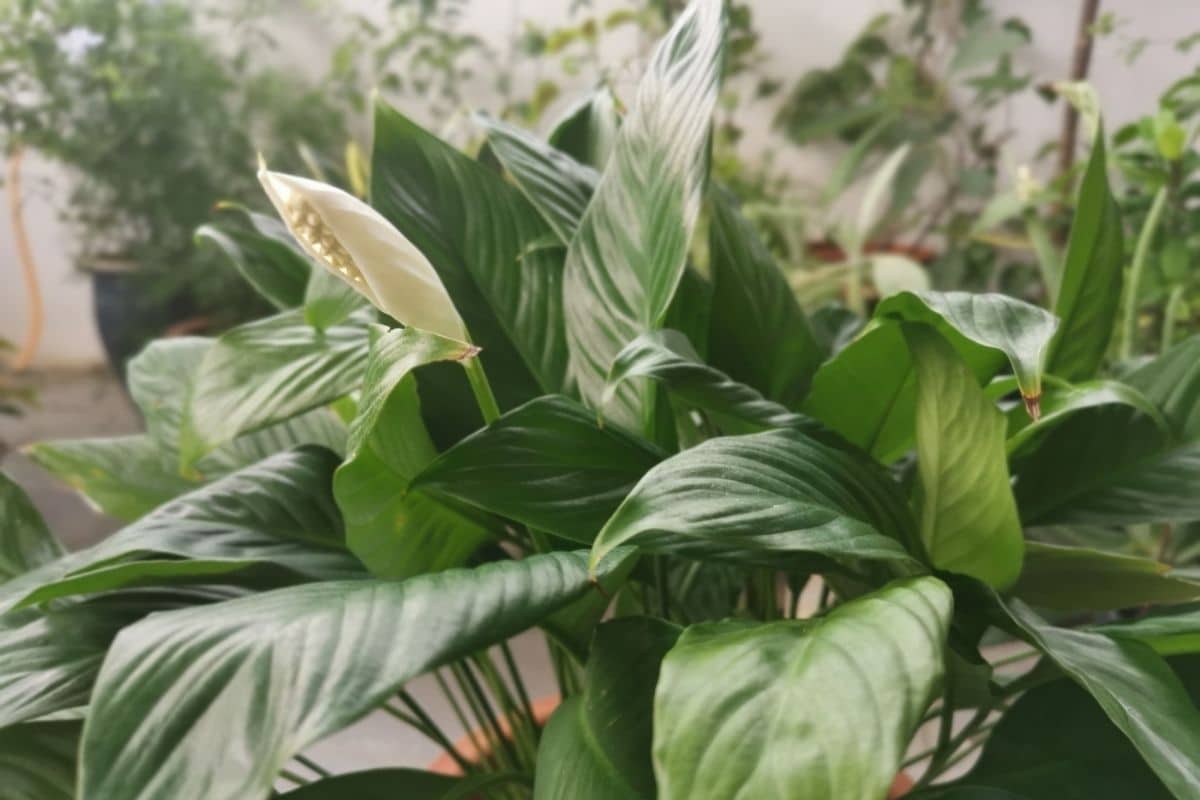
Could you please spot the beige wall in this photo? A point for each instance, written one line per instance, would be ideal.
(797, 34)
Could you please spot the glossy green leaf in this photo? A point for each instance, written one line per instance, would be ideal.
(558, 186)
(256, 680)
(276, 517)
(394, 531)
(668, 357)
(276, 270)
(1109, 466)
(587, 130)
(1169, 631)
(597, 744)
(1076, 578)
(969, 521)
(25, 541)
(625, 262)
(801, 708)
(770, 498)
(1055, 743)
(477, 230)
(1172, 382)
(759, 336)
(1022, 332)
(37, 761)
(123, 476)
(267, 371)
(1093, 267)
(1136, 690)
(547, 464)
(1060, 400)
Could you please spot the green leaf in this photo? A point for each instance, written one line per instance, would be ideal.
(476, 230)
(801, 708)
(969, 521)
(1109, 466)
(667, 357)
(597, 744)
(1061, 400)
(587, 130)
(627, 259)
(1169, 631)
(329, 300)
(547, 464)
(1022, 332)
(1090, 294)
(285, 669)
(1137, 691)
(37, 761)
(558, 186)
(265, 372)
(1076, 578)
(25, 541)
(1172, 382)
(409, 784)
(759, 336)
(394, 531)
(1028, 754)
(125, 477)
(277, 271)
(770, 498)
(276, 517)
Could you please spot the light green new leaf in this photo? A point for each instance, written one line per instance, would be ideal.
(1137, 691)
(397, 532)
(478, 232)
(1076, 578)
(547, 464)
(254, 681)
(759, 336)
(1090, 294)
(587, 130)
(668, 357)
(37, 761)
(1022, 332)
(801, 708)
(771, 498)
(267, 371)
(275, 520)
(597, 745)
(125, 477)
(558, 186)
(969, 521)
(625, 262)
(25, 541)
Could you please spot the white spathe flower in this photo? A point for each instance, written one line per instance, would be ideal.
(354, 242)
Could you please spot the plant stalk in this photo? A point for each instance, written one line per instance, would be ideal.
(481, 388)
(1145, 237)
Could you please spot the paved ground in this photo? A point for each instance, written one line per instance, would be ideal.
(92, 403)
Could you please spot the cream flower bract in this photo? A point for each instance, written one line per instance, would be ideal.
(355, 242)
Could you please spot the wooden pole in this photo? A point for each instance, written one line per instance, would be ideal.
(33, 290)
(1080, 62)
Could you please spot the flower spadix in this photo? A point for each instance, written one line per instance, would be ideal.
(354, 242)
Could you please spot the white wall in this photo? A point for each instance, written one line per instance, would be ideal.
(797, 35)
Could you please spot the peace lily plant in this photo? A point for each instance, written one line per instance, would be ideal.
(767, 562)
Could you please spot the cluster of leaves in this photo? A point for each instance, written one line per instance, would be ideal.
(317, 516)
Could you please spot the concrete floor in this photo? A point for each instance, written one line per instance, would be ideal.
(92, 403)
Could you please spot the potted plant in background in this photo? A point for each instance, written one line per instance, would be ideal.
(562, 397)
(155, 124)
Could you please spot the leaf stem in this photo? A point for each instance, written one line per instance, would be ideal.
(314, 766)
(1168, 326)
(1145, 237)
(293, 777)
(482, 389)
